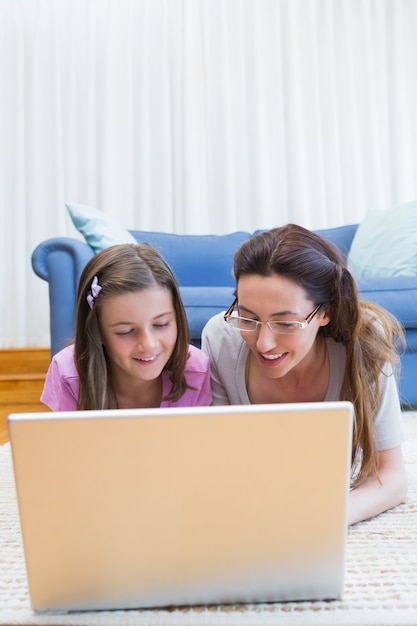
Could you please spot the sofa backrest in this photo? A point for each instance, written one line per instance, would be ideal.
(340, 236)
(212, 255)
(197, 260)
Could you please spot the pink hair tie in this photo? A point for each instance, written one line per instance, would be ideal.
(95, 290)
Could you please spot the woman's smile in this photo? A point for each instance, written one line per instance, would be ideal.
(271, 359)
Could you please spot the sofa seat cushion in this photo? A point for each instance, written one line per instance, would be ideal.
(202, 303)
(412, 344)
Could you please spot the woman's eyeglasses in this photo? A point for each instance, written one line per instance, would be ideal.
(245, 324)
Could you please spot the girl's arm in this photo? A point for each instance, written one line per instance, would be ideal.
(376, 496)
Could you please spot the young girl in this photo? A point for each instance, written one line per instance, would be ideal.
(131, 345)
(297, 332)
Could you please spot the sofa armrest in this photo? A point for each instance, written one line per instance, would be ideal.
(60, 261)
(78, 251)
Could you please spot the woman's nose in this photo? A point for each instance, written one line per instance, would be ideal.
(266, 338)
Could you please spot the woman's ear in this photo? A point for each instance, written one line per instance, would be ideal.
(324, 318)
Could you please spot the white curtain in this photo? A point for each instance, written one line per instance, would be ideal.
(197, 116)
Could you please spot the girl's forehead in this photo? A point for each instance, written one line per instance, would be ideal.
(149, 299)
(151, 291)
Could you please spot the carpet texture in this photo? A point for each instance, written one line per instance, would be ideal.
(380, 589)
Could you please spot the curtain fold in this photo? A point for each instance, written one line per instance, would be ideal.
(197, 116)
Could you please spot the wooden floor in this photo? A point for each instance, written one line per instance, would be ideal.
(22, 375)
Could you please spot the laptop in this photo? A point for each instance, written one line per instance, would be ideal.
(183, 506)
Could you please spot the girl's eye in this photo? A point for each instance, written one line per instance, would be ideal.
(130, 331)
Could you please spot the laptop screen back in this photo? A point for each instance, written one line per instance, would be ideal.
(144, 508)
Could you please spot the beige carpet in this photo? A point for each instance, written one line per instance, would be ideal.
(381, 577)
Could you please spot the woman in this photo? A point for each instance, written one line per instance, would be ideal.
(131, 346)
(297, 332)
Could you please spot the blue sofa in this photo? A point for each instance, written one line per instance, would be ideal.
(202, 265)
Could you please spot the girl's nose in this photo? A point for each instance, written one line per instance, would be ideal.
(146, 340)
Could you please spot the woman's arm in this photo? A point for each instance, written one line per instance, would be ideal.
(376, 496)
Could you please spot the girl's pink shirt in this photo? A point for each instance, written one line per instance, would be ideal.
(60, 391)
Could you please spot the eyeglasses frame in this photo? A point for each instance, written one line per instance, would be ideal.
(300, 325)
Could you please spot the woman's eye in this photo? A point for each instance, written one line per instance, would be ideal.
(247, 322)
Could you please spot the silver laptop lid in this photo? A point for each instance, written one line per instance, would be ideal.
(143, 508)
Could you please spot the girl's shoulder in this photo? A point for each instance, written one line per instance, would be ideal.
(64, 360)
(197, 361)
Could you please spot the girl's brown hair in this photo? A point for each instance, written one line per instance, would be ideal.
(370, 334)
(120, 269)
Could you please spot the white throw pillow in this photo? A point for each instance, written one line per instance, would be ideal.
(385, 243)
(99, 230)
